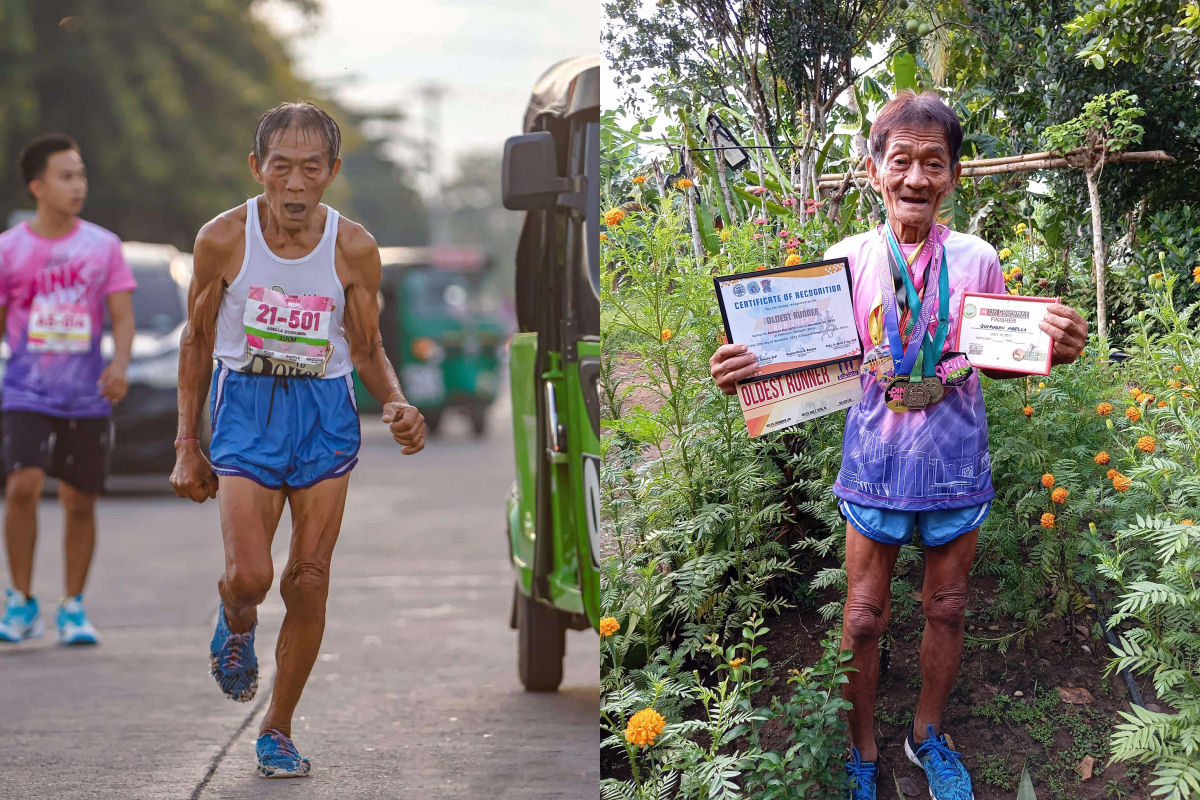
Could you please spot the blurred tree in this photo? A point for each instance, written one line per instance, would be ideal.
(472, 198)
(163, 98)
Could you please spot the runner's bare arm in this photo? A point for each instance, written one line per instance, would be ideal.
(113, 384)
(217, 248)
(360, 270)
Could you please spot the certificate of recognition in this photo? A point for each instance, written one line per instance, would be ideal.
(1000, 331)
(791, 318)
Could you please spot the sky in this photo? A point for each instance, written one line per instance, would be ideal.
(487, 54)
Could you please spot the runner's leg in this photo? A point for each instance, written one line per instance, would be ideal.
(79, 535)
(316, 521)
(869, 567)
(944, 600)
(249, 515)
(21, 495)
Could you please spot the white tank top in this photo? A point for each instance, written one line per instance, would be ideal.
(283, 316)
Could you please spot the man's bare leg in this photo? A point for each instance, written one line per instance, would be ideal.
(249, 516)
(316, 522)
(944, 600)
(21, 494)
(79, 535)
(869, 567)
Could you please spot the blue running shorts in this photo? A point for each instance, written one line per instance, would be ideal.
(280, 431)
(889, 526)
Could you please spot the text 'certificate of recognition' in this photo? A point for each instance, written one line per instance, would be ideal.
(791, 318)
(1000, 331)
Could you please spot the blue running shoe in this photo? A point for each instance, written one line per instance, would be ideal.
(277, 757)
(73, 625)
(948, 778)
(232, 660)
(20, 618)
(860, 777)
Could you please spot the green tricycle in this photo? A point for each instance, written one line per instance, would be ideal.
(552, 172)
(442, 330)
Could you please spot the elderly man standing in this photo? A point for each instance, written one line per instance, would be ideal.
(904, 467)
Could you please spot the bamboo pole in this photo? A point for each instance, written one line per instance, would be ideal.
(1026, 163)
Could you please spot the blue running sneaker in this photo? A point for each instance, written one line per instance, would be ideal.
(860, 777)
(20, 618)
(277, 757)
(948, 778)
(232, 660)
(73, 625)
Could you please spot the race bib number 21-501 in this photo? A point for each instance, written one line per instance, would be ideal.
(286, 334)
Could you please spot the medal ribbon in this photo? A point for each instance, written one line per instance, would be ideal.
(927, 347)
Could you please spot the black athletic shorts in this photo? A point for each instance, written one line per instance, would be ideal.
(73, 450)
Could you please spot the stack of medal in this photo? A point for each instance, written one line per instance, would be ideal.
(918, 383)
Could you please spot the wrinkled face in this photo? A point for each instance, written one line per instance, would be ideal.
(294, 174)
(62, 186)
(914, 176)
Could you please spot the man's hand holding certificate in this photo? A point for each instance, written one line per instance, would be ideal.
(799, 323)
(1002, 332)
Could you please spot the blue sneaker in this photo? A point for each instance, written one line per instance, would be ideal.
(20, 618)
(73, 625)
(277, 757)
(232, 661)
(948, 778)
(860, 777)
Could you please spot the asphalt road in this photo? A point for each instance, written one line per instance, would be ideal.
(415, 693)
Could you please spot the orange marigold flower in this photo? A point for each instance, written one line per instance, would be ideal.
(1027, 411)
(1047, 520)
(639, 179)
(1133, 414)
(1147, 444)
(1186, 522)
(1135, 391)
(609, 626)
(667, 333)
(1162, 403)
(684, 183)
(644, 727)
(604, 237)
(1047, 480)
(1196, 275)
(1112, 473)
(725, 234)
(1104, 409)
(792, 261)
(614, 216)
(1177, 368)
(1102, 457)
(1059, 495)
(737, 662)
(1121, 483)
(1146, 398)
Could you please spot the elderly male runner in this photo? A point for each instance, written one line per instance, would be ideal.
(284, 296)
(58, 273)
(893, 453)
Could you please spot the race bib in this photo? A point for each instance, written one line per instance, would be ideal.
(59, 328)
(286, 334)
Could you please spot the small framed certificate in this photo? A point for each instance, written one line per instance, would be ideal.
(791, 318)
(1000, 331)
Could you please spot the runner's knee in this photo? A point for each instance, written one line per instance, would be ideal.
(23, 486)
(947, 604)
(305, 581)
(247, 586)
(78, 505)
(865, 618)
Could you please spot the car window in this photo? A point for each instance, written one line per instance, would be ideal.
(157, 304)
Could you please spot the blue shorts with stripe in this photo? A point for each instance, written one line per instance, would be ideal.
(890, 526)
(280, 431)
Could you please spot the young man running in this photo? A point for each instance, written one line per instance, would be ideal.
(57, 275)
(284, 296)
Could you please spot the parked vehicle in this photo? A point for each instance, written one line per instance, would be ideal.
(441, 330)
(552, 172)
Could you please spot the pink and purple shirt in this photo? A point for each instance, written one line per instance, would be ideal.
(916, 460)
(55, 292)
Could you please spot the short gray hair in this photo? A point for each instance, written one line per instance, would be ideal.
(303, 115)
